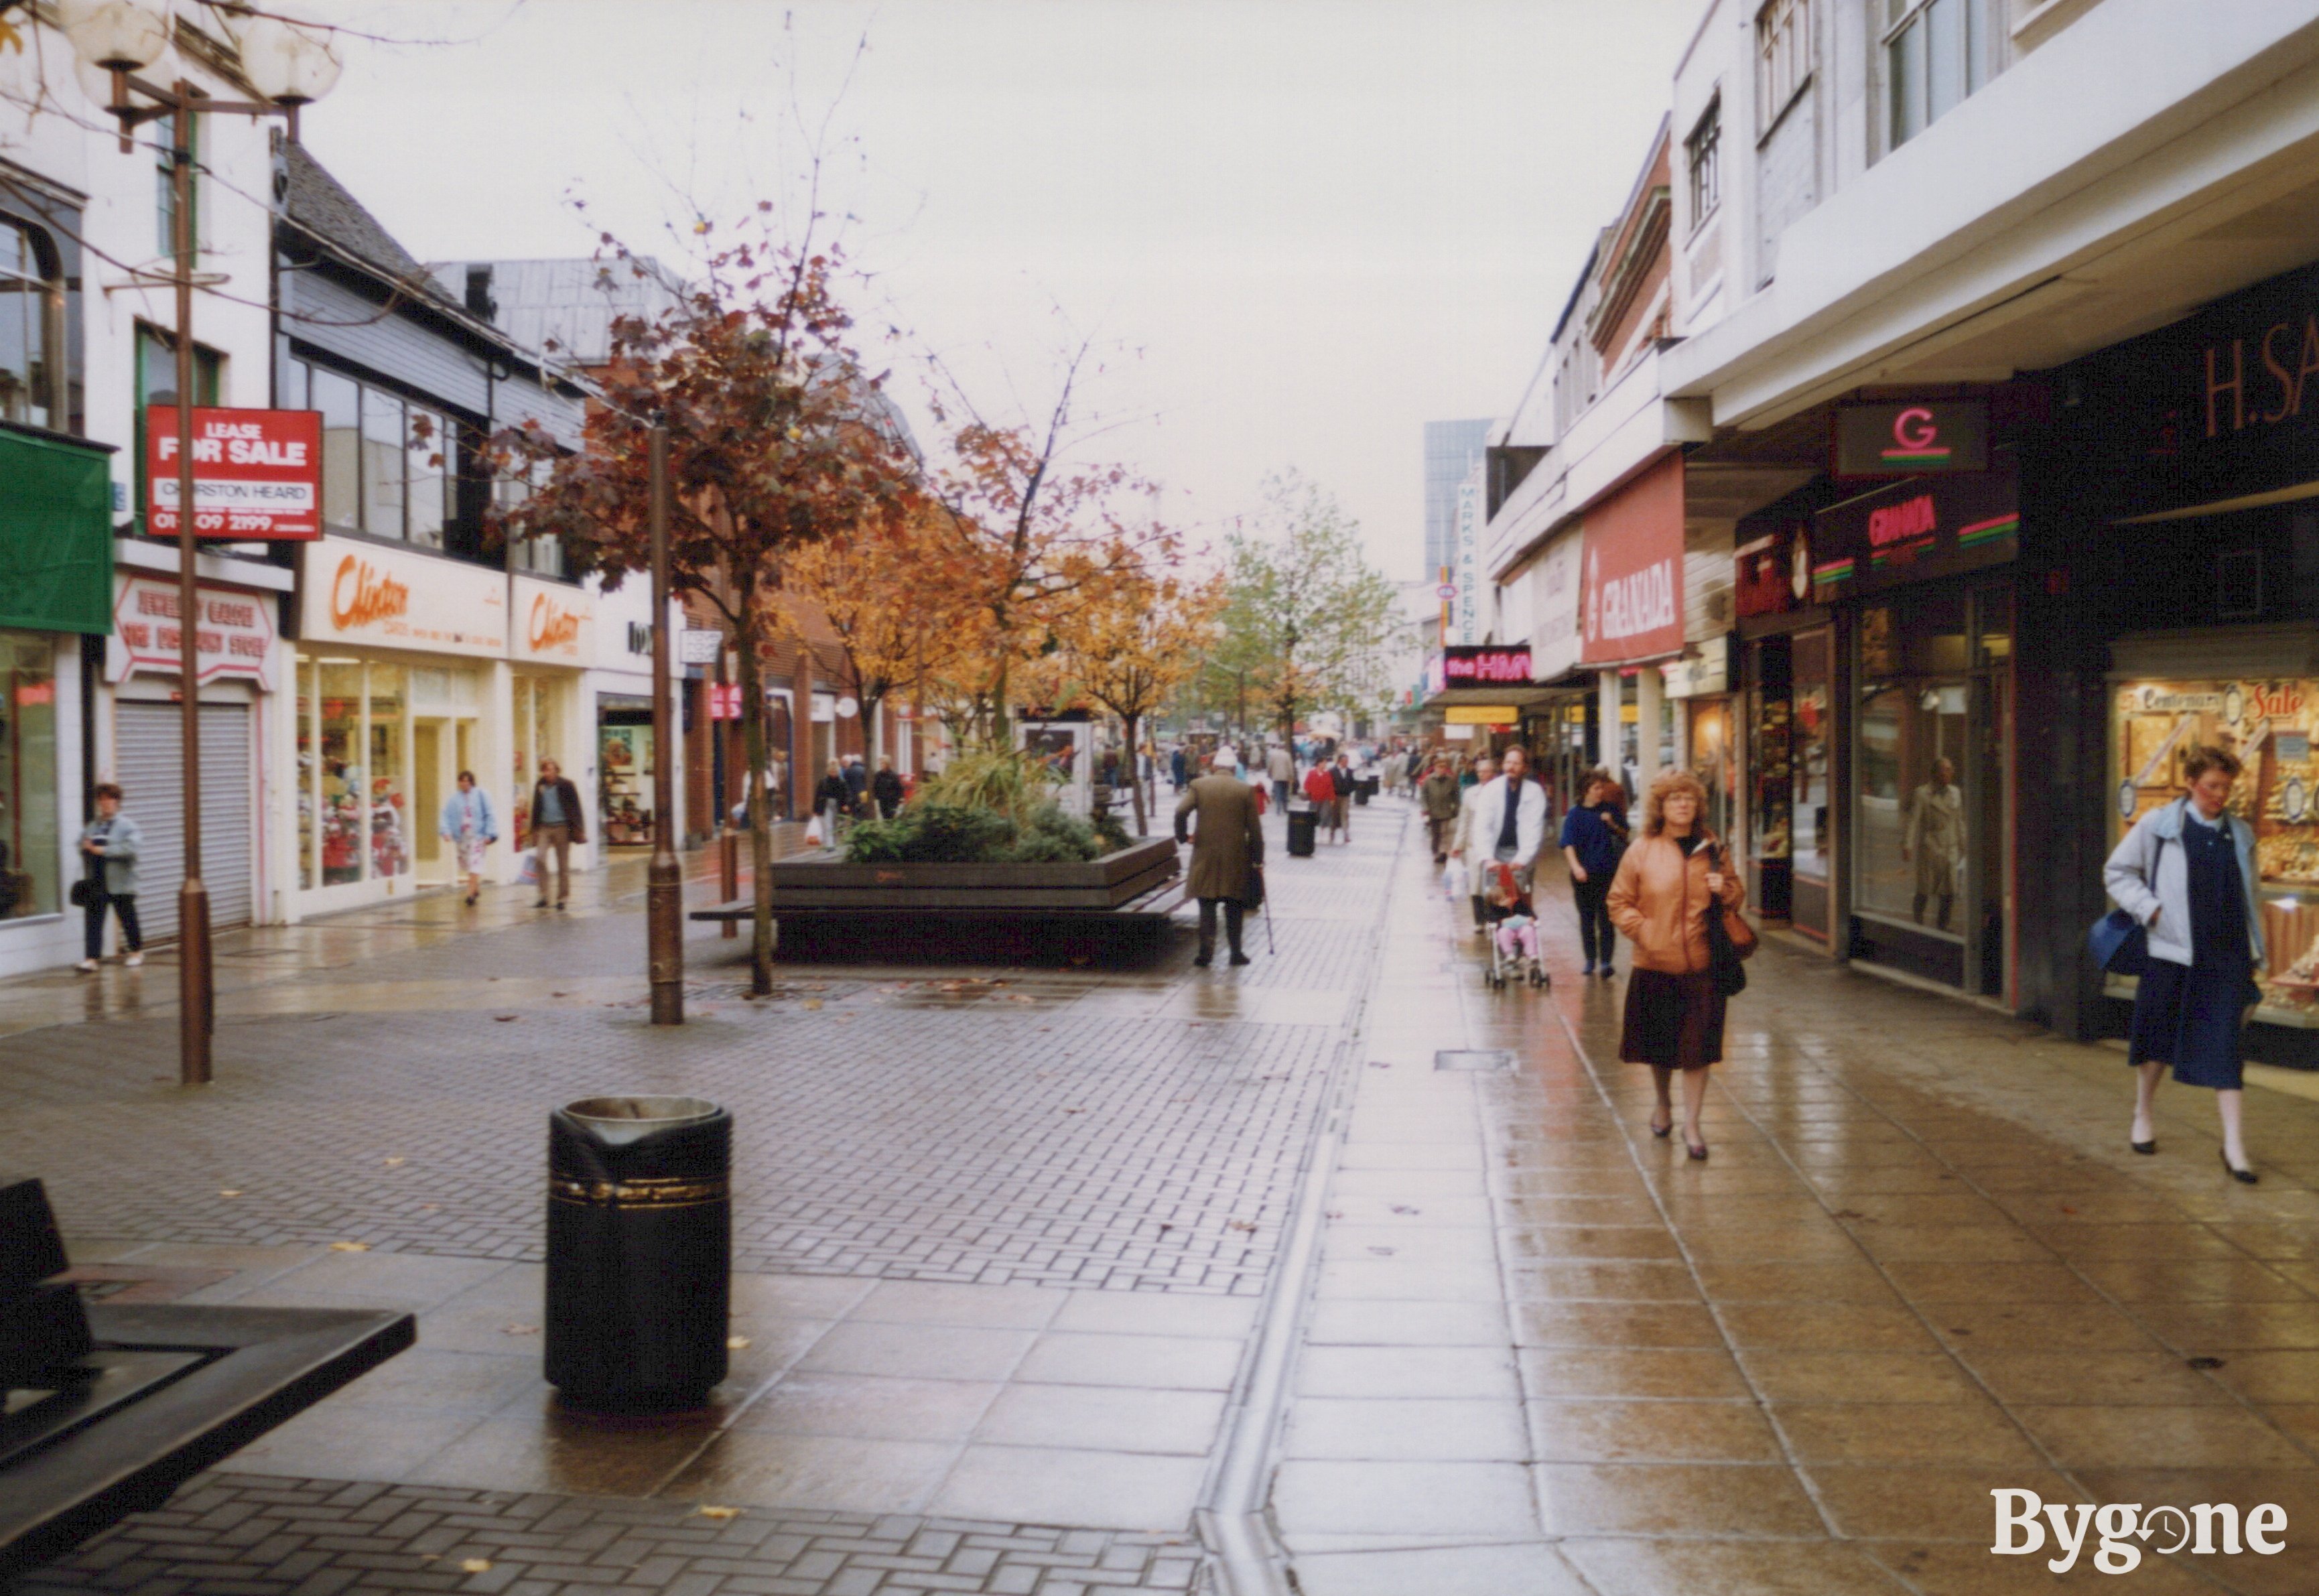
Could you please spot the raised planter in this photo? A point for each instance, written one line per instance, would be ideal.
(1096, 885)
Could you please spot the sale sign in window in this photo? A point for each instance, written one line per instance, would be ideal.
(257, 474)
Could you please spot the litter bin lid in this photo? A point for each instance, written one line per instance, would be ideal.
(616, 1120)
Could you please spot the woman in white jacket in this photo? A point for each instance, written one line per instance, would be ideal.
(1488, 833)
(2186, 872)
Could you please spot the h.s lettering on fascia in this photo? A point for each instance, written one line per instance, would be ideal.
(1641, 601)
(2118, 1531)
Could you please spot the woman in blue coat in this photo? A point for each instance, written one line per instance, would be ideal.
(2186, 871)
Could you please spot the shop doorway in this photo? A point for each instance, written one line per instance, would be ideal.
(429, 787)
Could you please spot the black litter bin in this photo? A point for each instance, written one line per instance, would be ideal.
(1304, 823)
(639, 1251)
(1361, 792)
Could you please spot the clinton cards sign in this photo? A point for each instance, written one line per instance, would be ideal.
(257, 474)
(1633, 607)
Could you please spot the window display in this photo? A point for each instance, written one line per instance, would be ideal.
(338, 732)
(390, 830)
(29, 841)
(2270, 724)
(625, 756)
(1909, 820)
(1812, 844)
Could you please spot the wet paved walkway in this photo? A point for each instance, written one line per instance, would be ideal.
(1549, 1353)
(1542, 1351)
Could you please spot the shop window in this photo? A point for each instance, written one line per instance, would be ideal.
(309, 773)
(389, 808)
(32, 328)
(1909, 843)
(341, 781)
(1812, 842)
(1935, 55)
(2270, 723)
(29, 824)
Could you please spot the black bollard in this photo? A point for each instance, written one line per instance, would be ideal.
(639, 1251)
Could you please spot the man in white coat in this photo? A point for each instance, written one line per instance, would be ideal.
(1491, 827)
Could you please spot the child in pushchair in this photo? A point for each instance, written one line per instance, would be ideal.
(1513, 929)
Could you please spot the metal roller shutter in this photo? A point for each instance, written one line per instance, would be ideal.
(149, 757)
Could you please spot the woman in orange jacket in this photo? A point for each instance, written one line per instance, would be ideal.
(1667, 884)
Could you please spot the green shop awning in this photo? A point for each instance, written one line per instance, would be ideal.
(56, 534)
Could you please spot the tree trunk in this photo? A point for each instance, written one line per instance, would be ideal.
(1135, 774)
(761, 830)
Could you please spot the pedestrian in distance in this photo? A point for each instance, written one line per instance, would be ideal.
(1341, 778)
(558, 822)
(1505, 823)
(1175, 768)
(1673, 878)
(1593, 840)
(1280, 765)
(108, 846)
(832, 798)
(1321, 792)
(2186, 872)
(1935, 840)
(1479, 772)
(470, 827)
(1440, 799)
(885, 790)
(1229, 839)
(857, 783)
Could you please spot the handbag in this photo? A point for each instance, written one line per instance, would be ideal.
(2119, 942)
(82, 894)
(1730, 941)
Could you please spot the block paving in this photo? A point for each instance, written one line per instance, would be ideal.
(248, 1535)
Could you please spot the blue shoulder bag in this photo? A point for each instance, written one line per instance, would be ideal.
(2118, 941)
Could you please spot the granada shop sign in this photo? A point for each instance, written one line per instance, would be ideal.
(1913, 531)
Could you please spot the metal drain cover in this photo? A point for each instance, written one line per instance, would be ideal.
(1474, 1058)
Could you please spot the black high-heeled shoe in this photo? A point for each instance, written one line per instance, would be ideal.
(1664, 1131)
(2145, 1147)
(1697, 1151)
(2243, 1177)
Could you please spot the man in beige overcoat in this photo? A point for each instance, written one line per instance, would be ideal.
(1229, 839)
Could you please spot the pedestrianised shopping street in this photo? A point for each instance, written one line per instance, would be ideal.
(1025, 1257)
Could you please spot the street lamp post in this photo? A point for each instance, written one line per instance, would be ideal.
(664, 878)
(292, 66)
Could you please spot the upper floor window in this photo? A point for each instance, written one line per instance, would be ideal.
(1782, 55)
(32, 328)
(1704, 152)
(1936, 53)
(543, 555)
(165, 207)
(390, 467)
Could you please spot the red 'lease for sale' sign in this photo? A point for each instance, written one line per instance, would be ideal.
(257, 474)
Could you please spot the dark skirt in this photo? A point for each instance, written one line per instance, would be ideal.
(1673, 1021)
(2190, 1017)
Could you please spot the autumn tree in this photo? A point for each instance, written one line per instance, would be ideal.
(775, 442)
(897, 599)
(1134, 647)
(1303, 610)
(1041, 539)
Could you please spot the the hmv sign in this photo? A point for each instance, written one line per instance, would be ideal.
(1486, 666)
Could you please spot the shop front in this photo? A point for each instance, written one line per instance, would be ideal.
(551, 643)
(2191, 454)
(56, 548)
(1631, 618)
(619, 683)
(402, 679)
(240, 666)
(1784, 715)
(1919, 572)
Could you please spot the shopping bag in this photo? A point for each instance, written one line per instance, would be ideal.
(1453, 880)
(529, 874)
(813, 832)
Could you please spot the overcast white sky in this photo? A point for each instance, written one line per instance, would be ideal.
(1316, 225)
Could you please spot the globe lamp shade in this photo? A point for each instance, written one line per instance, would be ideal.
(290, 63)
(128, 35)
